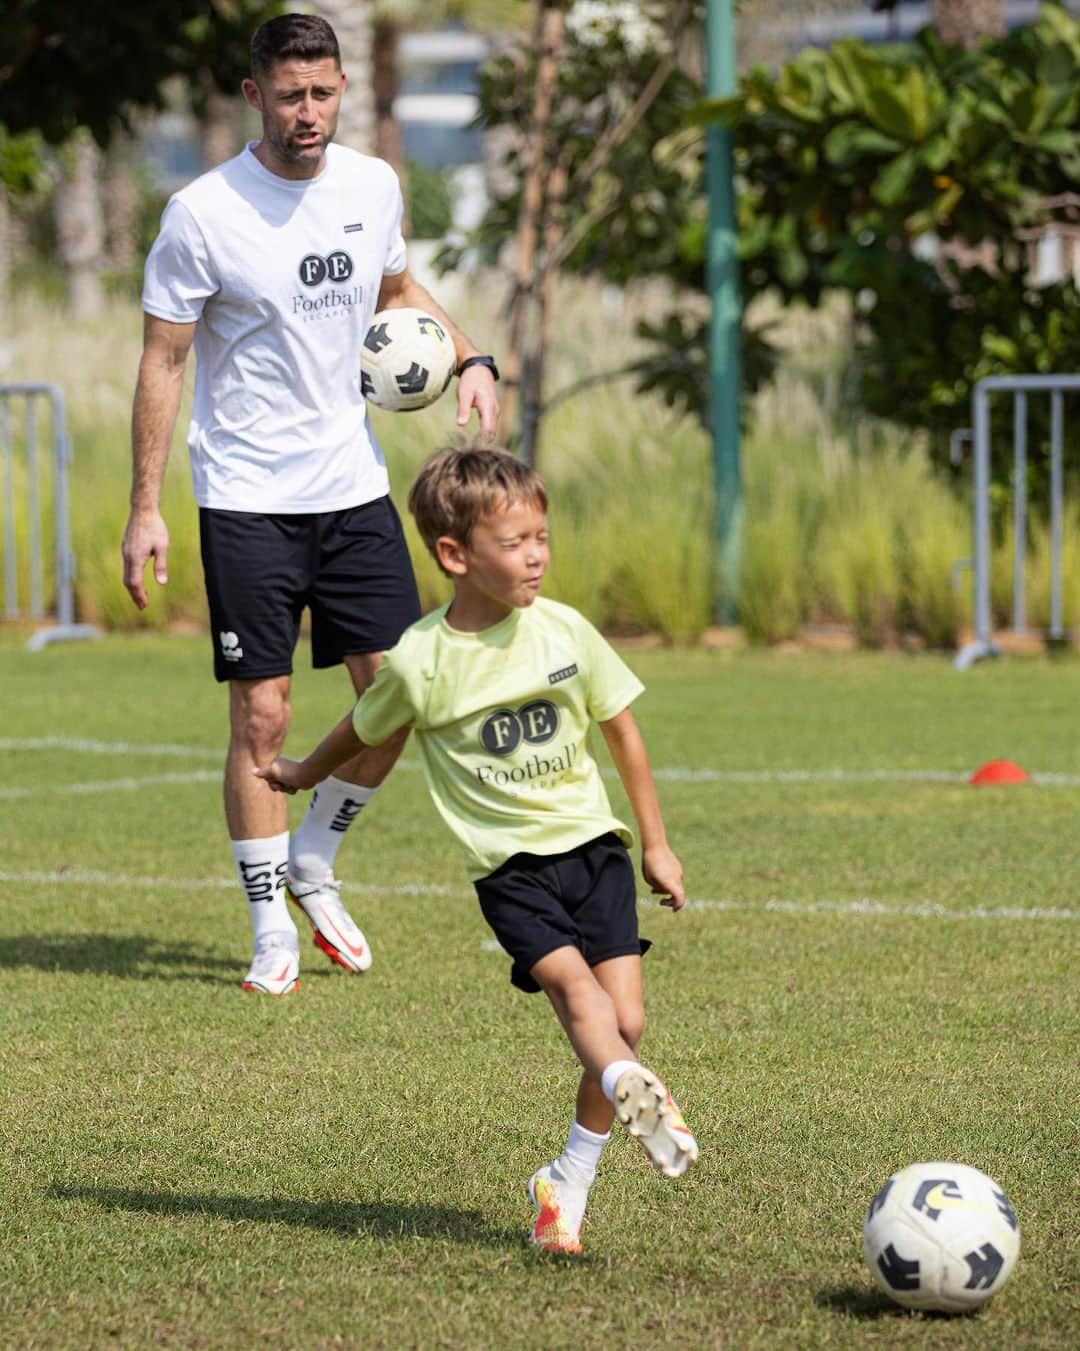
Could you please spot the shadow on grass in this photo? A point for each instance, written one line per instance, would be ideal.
(135, 956)
(858, 1301)
(380, 1219)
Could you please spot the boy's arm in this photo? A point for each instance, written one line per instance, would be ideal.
(662, 869)
(289, 776)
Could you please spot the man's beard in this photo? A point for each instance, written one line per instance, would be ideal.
(288, 149)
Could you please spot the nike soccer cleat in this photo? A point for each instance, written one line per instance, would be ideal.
(276, 966)
(331, 923)
(648, 1111)
(560, 1207)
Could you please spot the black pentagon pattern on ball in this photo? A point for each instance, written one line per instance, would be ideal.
(377, 338)
(367, 384)
(413, 380)
(924, 1200)
(899, 1273)
(429, 325)
(985, 1265)
(878, 1199)
(1006, 1210)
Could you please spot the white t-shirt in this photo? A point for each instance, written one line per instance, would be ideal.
(282, 276)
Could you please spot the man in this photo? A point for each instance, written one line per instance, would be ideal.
(291, 487)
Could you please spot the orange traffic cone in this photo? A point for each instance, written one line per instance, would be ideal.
(999, 772)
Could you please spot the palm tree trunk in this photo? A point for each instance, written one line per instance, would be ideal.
(217, 125)
(386, 80)
(351, 21)
(524, 363)
(121, 204)
(967, 22)
(80, 224)
(5, 253)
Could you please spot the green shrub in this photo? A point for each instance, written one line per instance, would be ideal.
(771, 596)
(936, 597)
(842, 522)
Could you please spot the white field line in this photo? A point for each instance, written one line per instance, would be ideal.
(885, 909)
(672, 774)
(90, 877)
(81, 745)
(128, 785)
(864, 906)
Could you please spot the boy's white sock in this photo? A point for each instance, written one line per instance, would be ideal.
(262, 865)
(581, 1156)
(613, 1074)
(334, 806)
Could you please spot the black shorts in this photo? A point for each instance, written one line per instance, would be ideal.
(585, 898)
(351, 568)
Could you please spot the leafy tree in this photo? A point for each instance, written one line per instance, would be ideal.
(69, 65)
(853, 161)
(596, 101)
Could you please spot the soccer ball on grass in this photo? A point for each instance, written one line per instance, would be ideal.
(941, 1236)
(406, 361)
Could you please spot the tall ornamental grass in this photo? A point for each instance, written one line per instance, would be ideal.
(846, 520)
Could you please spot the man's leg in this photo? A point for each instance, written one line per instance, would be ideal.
(334, 806)
(258, 829)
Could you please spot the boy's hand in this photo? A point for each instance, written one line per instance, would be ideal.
(663, 872)
(285, 776)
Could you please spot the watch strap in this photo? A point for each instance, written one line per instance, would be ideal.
(489, 362)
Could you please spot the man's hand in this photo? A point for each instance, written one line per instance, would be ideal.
(146, 537)
(663, 872)
(476, 389)
(285, 776)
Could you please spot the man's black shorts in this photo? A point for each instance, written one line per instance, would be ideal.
(351, 568)
(583, 898)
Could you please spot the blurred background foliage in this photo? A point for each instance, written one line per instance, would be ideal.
(890, 200)
(902, 174)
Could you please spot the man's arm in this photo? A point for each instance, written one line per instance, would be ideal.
(476, 387)
(288, 776)
(662, 869)
(153, 417)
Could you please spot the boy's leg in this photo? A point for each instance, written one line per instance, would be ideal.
(560, 1190)
(642, 1103)
(563, 1186)
(621, 978)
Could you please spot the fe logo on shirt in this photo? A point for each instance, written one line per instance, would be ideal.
(504, 730)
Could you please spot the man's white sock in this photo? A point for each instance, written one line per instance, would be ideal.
(334, 806)
(262, 865)
(581, 1156)
(613, 1073)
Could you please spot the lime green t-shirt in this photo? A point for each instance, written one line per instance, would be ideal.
(501, 719)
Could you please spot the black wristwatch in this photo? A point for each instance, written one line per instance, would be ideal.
(489, 362)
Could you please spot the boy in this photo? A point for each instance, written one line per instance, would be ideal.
(500, 688)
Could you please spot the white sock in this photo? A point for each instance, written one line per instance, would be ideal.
(612, 1075)
(334, 806)
(581, 1156)
(262, 865)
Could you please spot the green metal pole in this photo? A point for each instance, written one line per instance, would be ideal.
(724, 325)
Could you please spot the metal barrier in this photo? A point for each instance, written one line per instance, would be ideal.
(1020, 386)
(65, 629)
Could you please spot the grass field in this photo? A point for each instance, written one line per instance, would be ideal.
(874, 968)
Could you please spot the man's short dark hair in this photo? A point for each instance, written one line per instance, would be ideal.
(292, 37)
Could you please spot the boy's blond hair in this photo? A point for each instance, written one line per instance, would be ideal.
(459, 487)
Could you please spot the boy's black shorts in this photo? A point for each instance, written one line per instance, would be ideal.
(351, 568)
(583, 898)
